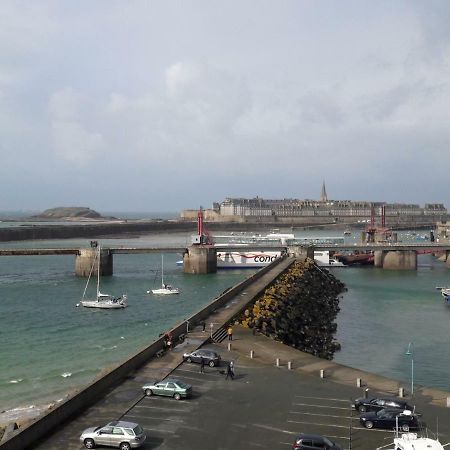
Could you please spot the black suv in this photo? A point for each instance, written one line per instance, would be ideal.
(376, 404)
(314, 442)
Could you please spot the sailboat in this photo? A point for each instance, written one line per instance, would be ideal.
(102, 301)
(166, 289)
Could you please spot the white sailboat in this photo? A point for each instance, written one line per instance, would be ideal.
(102, 301)
(166, 289)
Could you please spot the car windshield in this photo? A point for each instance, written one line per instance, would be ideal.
(138, 430)
(327, 442)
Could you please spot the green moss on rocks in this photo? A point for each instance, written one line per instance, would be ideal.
(299, 309)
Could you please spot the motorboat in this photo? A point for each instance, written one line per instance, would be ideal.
(411, 441)
(445, 292)
(165, 289)
(101, 301)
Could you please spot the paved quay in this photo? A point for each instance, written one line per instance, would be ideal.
(264, 407)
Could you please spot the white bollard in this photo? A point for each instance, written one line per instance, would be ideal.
(322, 373)
(278, 362)
(448, 402)
(289, 365)
(229, 346)
(358, 382)
(401, 392)
(252, 354)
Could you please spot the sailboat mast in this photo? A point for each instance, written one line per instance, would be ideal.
(98, 272)
(162, 269)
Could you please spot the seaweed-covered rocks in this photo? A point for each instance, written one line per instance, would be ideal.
(299, 309)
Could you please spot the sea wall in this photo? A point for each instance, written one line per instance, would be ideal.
(79, 401)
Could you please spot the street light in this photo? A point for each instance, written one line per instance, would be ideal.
(410, 352)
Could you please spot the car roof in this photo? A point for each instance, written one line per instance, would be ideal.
(310, 436)
(122, 423)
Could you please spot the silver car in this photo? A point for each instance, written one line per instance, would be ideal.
(120, 434)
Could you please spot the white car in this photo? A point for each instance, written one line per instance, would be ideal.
(119, 434)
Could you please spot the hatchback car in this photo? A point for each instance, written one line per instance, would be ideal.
(210, 357)
(314, 442)
(168, 388)
(120, 434)
(378, 403)
(389, 418)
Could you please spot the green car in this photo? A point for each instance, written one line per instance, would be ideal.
(169, 388)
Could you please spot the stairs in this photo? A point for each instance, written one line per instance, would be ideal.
(219, 335)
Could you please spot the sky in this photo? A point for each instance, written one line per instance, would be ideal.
(166, 105)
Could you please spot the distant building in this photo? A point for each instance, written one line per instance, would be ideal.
(297, 211)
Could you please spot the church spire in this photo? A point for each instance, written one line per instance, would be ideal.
(323, 195)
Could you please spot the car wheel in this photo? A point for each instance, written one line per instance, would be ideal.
(177, 396)
(125, 446)
(189, 359)
(211, 364)
(368, 424)
(362, 408)
(405, 427)
(89, 443)
(148, 392)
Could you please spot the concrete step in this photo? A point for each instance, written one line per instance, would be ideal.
(219, 335)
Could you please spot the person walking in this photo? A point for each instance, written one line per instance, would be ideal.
(232, 369)
(203, 326)
(202, 365)
(230, 333)
(229, 372)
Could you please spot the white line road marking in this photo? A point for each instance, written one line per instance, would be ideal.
(267, 427)
(325, 398)
(323, 415)
(320, 406)
(156, 418)
(163, 409)
(335, 426)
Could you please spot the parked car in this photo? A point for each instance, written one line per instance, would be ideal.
(120, 434)
(378, 403)
(168, 388)
(388, 418)
(314, 442)
(211, 357)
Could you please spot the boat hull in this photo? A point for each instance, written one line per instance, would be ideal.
(102, 305)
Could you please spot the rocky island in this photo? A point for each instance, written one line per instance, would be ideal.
(70, 213)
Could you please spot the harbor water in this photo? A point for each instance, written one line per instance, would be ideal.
(49, 346)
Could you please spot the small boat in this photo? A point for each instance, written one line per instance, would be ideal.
(166, 289)
(347, 233)
(445, 292)
(101, 301)
(411, 441)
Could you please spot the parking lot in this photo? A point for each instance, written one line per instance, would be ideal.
(264, 407)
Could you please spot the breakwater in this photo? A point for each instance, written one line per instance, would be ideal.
(299, 310)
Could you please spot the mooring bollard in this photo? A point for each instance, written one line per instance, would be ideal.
(322, 373)
(366, 393)
(252, 354)
(278, 362)
(448, 402)
(289, 365)
(358, 382)
(401, 392)
(229, 346)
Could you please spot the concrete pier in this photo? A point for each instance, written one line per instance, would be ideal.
(85, 259)
(396, 260)
(199, 259)
(301, 252)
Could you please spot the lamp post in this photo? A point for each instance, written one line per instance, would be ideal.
(410, 352)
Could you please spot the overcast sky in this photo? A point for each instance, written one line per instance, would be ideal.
(165, 105)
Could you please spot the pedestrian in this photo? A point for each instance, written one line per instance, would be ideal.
(230, 373)
(202, 365)
(232, 369)
(203, 326)
(230, 333)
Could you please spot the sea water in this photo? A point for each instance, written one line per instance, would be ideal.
(50, 347)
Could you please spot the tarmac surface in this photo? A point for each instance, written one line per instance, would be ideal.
(265, 407)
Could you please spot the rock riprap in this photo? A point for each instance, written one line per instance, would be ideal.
(299, 309)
